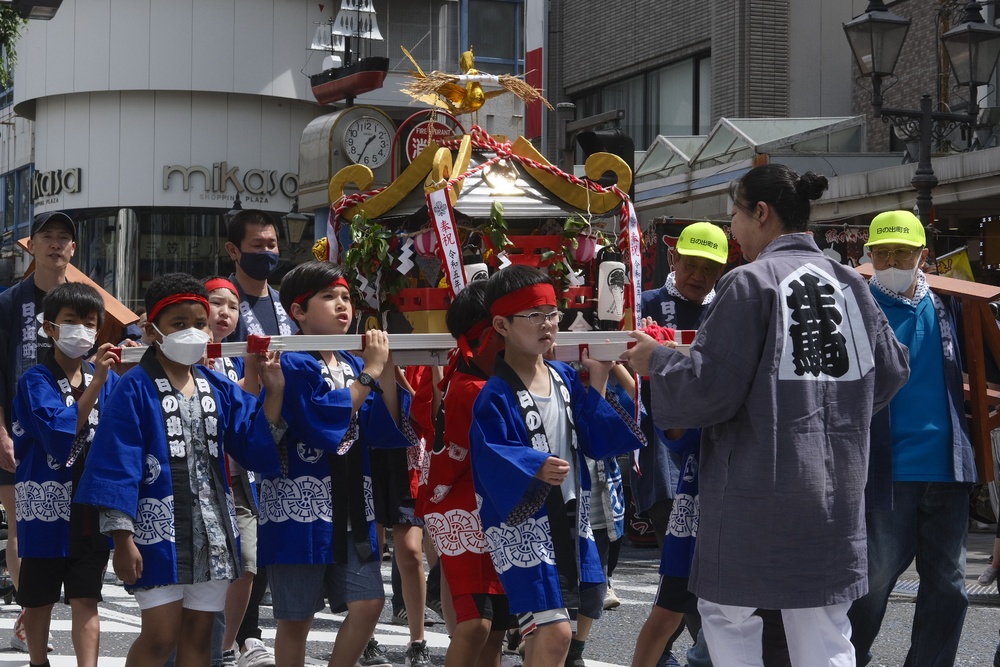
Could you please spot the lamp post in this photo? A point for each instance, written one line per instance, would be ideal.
(876, 39)
(294, 223)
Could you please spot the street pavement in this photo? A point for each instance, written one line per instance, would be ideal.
(611, 641)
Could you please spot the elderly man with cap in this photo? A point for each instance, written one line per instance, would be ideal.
(698, 261)
(23, 343)
(922, 462)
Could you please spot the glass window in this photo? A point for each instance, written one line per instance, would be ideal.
(9, 207)
(628, 95)
(6, 94)
(675, 100)
(23, 195)
(168, 240)
(704, 96)
(429, 29)
(493, 29)
(671, 96)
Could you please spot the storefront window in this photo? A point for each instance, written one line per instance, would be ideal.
(124, 250)
(8, 201)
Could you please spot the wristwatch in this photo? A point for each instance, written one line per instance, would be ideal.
(369, 381)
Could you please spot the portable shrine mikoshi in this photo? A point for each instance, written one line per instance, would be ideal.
(479, 186)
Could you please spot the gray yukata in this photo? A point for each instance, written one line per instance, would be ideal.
(791, 360)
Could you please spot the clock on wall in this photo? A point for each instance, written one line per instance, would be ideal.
(361, 134)
(367, 140)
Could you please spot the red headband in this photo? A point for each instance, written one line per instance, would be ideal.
(305, 296)
(463, 350)
(542, 294)
(176, 298)
(221, 283)
(474, 332)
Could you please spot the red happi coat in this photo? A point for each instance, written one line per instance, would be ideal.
(450, 505)
(421, 379)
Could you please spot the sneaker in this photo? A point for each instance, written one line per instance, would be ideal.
(575, 656)
(417, 655)
(229, 657)
(513, 641)
(611, 600)
(435, 606)
(374, 656)
(989, 575)
(668, 660)
(18, 641)
(399, 617)
(255, 654)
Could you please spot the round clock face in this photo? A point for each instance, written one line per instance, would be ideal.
(368, 141)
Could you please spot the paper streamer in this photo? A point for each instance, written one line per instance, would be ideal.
(504, 260)
(406, 256)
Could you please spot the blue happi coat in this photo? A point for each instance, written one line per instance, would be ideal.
(17, 339)
(504, 467)
(128, 468)
(44, 431)
(296, 511)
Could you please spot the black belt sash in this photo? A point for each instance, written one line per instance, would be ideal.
(83, 520)
(184, 500)
(563, 517)
(347, 480)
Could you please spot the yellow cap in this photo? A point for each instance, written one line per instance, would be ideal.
(703, 239)
(896, 227)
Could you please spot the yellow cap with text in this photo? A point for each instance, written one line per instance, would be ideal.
(703, 239)
(896, 227)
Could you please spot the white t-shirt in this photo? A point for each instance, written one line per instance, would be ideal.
(552, 409)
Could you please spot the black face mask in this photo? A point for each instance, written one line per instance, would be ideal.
(259, 265)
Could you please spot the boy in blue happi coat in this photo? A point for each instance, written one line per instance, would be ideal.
(317, 521)
(157, 471)
(534, 421)
(55, 411)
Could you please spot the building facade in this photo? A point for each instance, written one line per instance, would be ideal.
(675, 68)
(147, 120)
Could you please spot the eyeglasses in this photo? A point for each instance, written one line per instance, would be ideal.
(899, 254)
(538, 317)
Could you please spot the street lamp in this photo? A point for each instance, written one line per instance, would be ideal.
(876, 39)
(235, 210)
(295, 223)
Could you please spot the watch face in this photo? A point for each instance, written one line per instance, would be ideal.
(368, 141)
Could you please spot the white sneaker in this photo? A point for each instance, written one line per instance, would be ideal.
(255, 654)
(611, 600)
(19, 642)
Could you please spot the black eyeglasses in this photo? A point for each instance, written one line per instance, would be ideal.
(899, 254)
(538, 317)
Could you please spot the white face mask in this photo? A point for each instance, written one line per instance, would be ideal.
(897, 280)
(186, 347)
(75, 340)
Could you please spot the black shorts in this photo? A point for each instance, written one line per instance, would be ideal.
(490, 607)
(673, 595)
(7, 478)
(81, 574)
